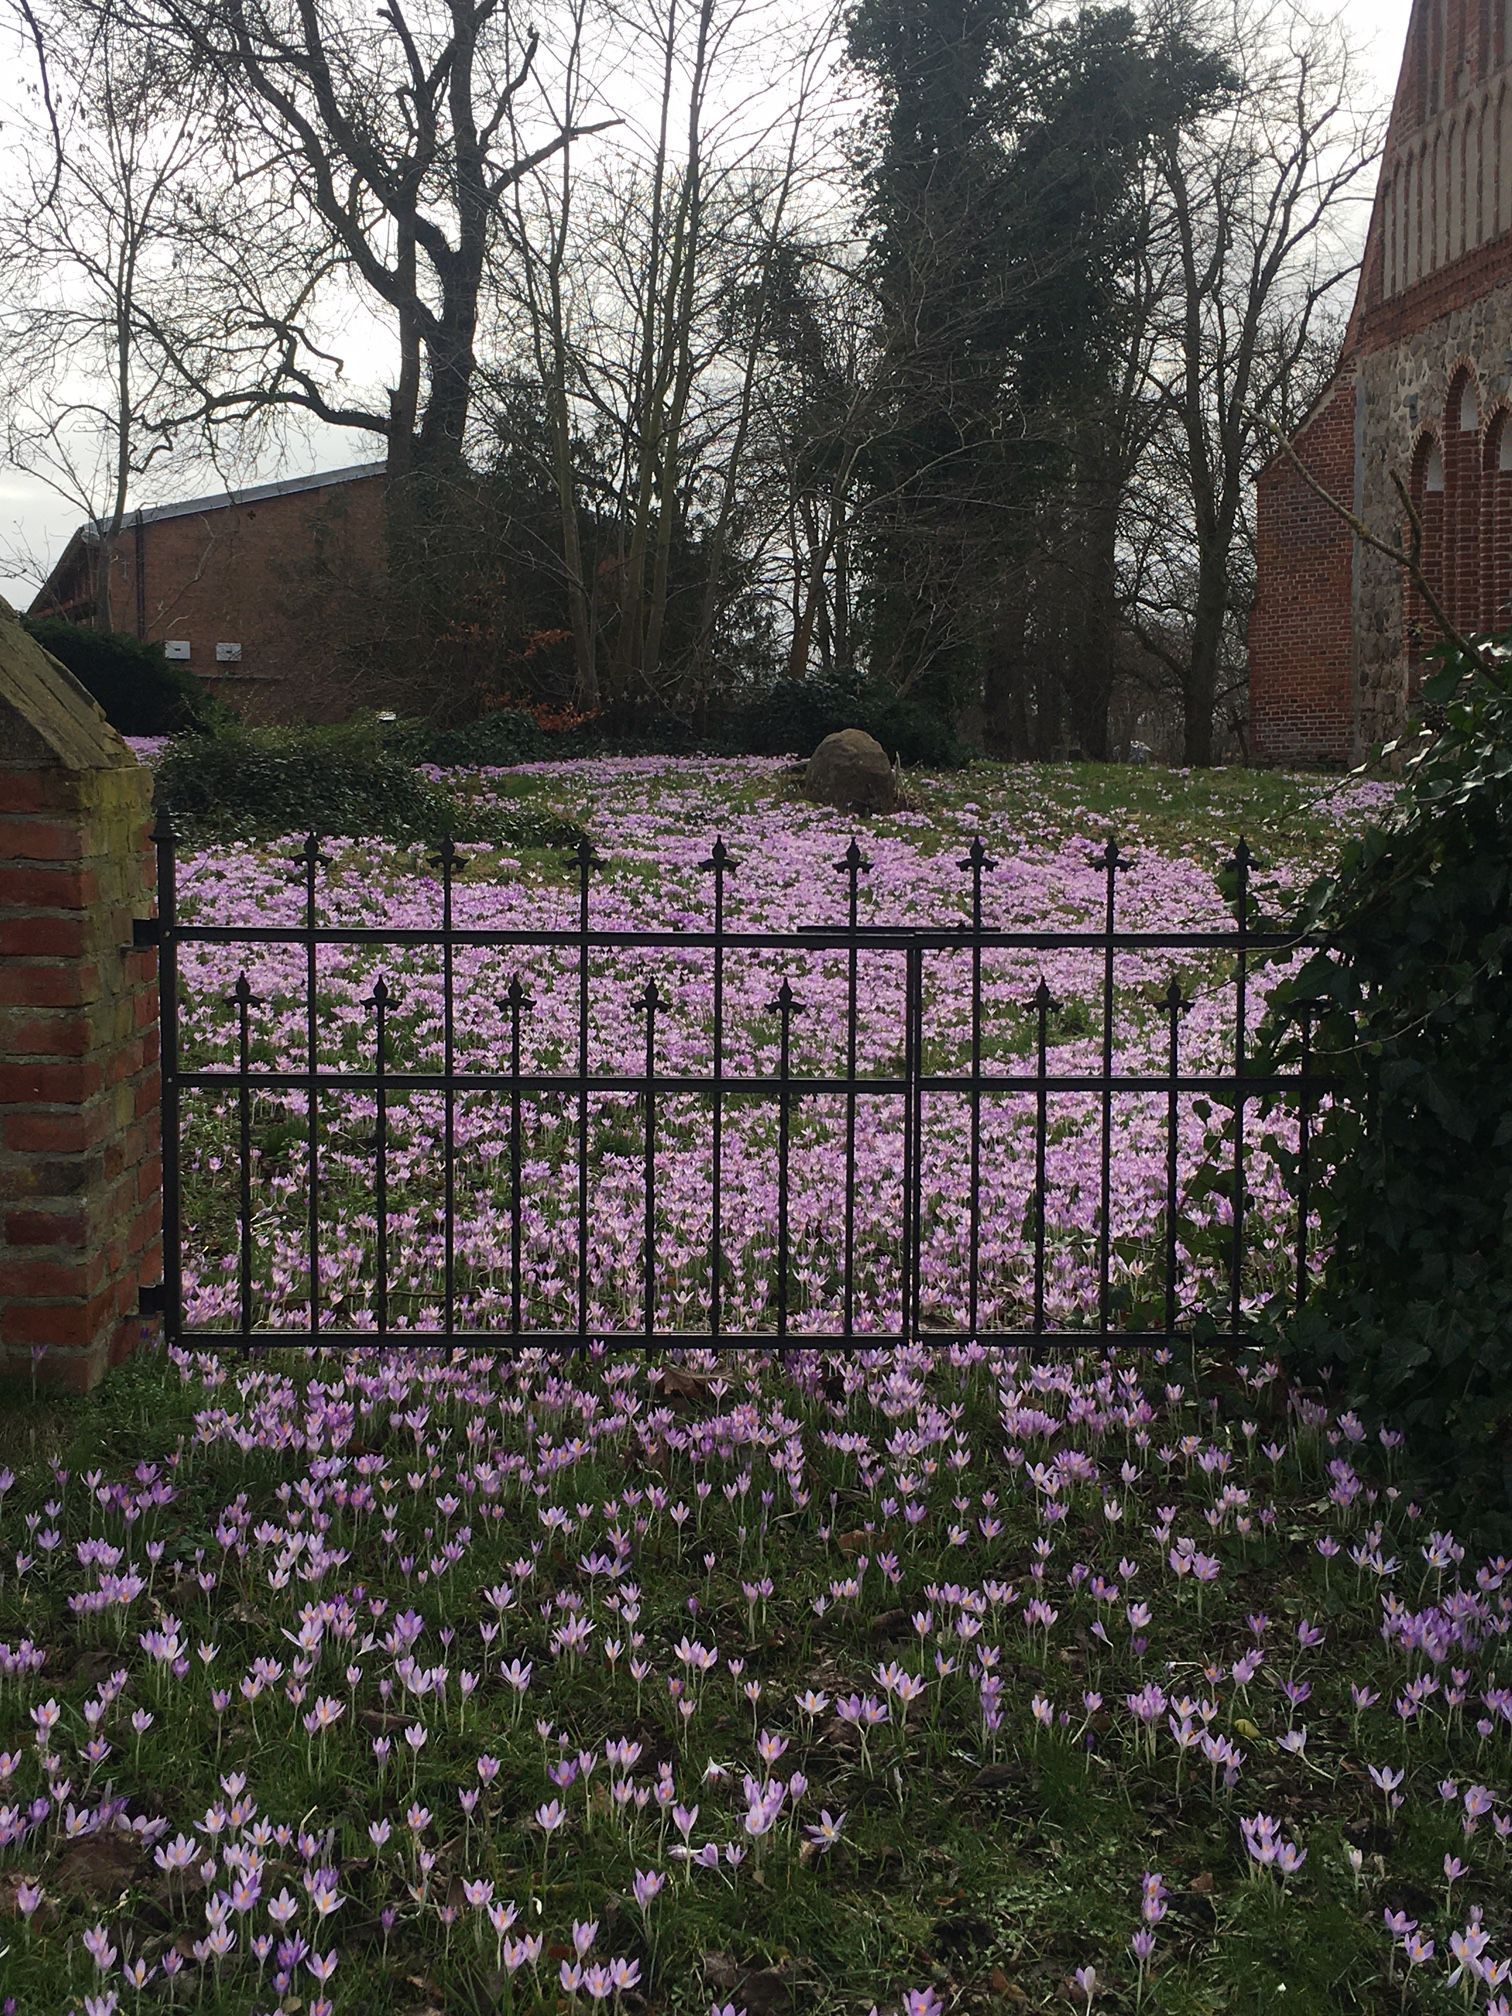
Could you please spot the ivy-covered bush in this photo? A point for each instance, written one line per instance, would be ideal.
(140, 692)
(504, 736)
(350, 779)
(1411, 1166)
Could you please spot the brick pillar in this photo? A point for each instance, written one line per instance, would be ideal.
(80, 1163)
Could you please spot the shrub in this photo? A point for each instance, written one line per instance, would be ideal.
(350, 780)
(507, 735)
(1412, 1159)
(140, 692)
(793, 716)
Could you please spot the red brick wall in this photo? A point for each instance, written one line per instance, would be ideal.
(1439, 249)
(1301, 628)
(1442, 293)
(288, 578)
(80, 1153)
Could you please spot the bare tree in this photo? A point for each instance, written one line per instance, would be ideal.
(374, 155)
(644, 281)
(1257, 202)
(87, 229)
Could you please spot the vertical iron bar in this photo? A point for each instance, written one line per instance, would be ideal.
(649, 1002)
(449, 1096)
(1241, 867)
(1174, 1004)
(1042, 1007)
(720, 864)
(168, 1012)
(241, 1000)
(1304, 1151)
(853, 865)
(977, 860)
(311, 860)
(786, 1008)
(905, 1265)
(1111, 865)
(379, 998)
(913, 1316)
(517, 1001)
(586, 861)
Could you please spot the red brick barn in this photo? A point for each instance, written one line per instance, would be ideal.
(258, 590)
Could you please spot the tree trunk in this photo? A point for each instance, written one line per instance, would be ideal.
(1093, 605)
(1005, 714)
(1200, 687)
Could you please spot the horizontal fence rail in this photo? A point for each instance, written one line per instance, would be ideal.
(907, 1093)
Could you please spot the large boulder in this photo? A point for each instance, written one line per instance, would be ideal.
(850, 769)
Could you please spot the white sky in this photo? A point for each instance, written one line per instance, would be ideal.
(34, 521)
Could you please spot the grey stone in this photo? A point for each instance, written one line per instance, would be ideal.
(850, 769)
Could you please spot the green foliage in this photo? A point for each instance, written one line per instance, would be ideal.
(493, 740)
(793, 716)
(1412, 1160)
(140, 692)
(350, 780)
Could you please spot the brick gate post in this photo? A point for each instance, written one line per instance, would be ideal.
(80, 1162)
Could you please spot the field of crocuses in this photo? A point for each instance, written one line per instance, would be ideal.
(909, 1680)
(915, 1680)
(653, 822)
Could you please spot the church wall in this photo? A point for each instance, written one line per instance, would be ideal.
(1404, 393)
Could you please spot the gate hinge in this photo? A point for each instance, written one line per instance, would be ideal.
(145, 931)
(152, 1300)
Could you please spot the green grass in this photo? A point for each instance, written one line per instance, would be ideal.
(985, 1869)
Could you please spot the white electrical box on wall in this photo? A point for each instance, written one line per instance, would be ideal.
(228, 654)
(176, 647)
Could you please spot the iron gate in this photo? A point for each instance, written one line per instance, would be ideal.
(593, 953)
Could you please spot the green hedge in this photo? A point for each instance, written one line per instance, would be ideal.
(793, 716)
(492, 741)
(141, 693)
(350, 780)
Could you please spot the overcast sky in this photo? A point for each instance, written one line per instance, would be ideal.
(33, 520)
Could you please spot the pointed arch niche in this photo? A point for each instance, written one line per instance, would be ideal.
(1463, 532)
(1496, 525)
(1427, 492)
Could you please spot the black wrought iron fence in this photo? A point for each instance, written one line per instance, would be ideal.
(584, 957)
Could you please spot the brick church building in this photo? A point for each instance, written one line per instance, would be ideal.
(1423, 387)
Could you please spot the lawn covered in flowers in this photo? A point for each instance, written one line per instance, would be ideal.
(918, 1680)
(653, 822)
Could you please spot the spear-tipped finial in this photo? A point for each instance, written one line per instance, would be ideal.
(786, 1003)
(852, 861)
(651, 998)
(380, 996)
(1175, 1001)
(720, 861)
(241, 995)
(977, 857)
(517, 1000)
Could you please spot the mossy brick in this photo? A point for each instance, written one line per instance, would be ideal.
(80, 1232)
